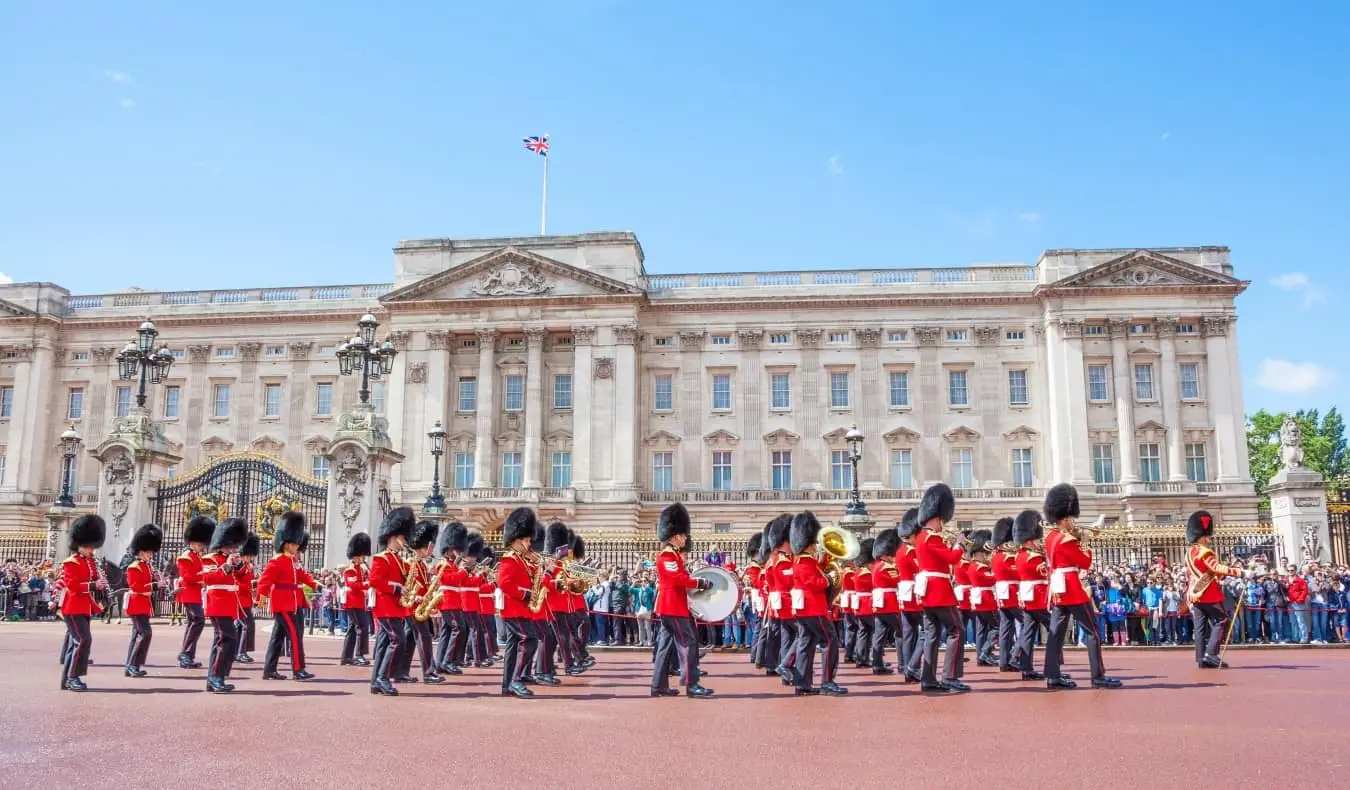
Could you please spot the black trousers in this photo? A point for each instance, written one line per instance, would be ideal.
(1009, 646)
(862, 638)
(288, 630)
(417, 637)
(548, 644)
(813, 632)
(677, 634)
(357, 640)
(583, 634)
(558, 629)
(1209, 620)
(388, 644)
(986, 628)
(1033, 620)
(451, 626)
(936, 619)
(459, 642)
(911, 628)
(1060, 619)
(770, 651)
(247, 631)
(886, 630)
(848, 631)
(522, 637)
(81, 641)
(224, 647)
(487, 634)
(196, 620)
(140, 641)
(757, 643)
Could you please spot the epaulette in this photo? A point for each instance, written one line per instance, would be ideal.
(72, 559)
(187, 553)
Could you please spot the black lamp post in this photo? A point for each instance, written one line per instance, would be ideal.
(436, 502)
(855, 506)
(362, 353)
(140, 360)
(70, 447)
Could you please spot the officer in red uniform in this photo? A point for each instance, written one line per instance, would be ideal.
(933, 586)
(750, 580)
(353, 599)
(388, 574)
(199, 532)
(539, 668)
(141, 584)
(1204, 592)
(811, 605)
(581, 619)
(886, 628)
(1003, 564)
(961, 585)
(1068, 558)
(673, 586)
(779, 570)
(848, 632)
(860, 600)
(557, 547)
(417, 635)
(470, 586)
(980, 596)
(911, 610)
(281, 586)
(1033, 587)
(446, 579)
(245, 578)
(80, 578)
(219, 567)
(516, 575)
(487, 604)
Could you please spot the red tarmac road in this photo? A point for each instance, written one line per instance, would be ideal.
(1277, 718)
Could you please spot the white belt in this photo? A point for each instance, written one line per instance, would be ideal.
(448, 589)
(1059, 582)
(977, 595)
(921, 581)
(961, 591)
(879, 595)
(906, 590)
(226, 587)
(776, 599)
(1028, 589)
(1004, 589)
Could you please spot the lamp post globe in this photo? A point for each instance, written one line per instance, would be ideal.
(70, 447)
(361, 354)
(854, 439)
(436, 442)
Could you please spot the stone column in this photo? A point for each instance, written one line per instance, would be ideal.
(301, 386)
(809, 456)
(691, 408)
(30, 439)
(360, 459)
(428, 399)
(871, 408)
(534, 407)
(58, 526)
(1068, 423)
(246, 398)
(930, 465)
(192, 402)
(625, 416)
(751, 411)
(582, 338)
(1298, 508)
(1239, 410)
(487, 408)
(1171, 397)
(1221, 388)
(1122, 389)
(994, 463)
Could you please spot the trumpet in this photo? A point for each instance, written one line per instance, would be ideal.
(955, 537)
(1088, 533)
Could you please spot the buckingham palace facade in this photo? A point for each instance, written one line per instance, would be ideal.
(567, 377)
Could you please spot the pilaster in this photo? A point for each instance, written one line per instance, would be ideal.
(583, 338)
(483, 455)
(625, 412)
(534, 406)
(692, 408)
(1171, 397)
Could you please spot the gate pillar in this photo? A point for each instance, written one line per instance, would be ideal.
(1298, 503)
(360, 460)
(134, 458)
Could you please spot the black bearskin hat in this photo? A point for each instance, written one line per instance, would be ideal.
(1199, 525)
(886, 544)
(147, 538)
(752, 547)
(867, 546)
(290, 529)
(358, 545)
(474, 547)
(674, 521)
(1002, 533)
(938, 502)
(88, 530)
(397, 523)
(909, 524)
(979, 542)
(453, 537)
(251, 546)
(778, 532)
(424, 534)
(578, 547)
(1061, 502)
(486, 555)
(200, 529)
(803, 529)
(519, 524)
(537, 542)
(229, 534)
(557, 536)
(1027, 526)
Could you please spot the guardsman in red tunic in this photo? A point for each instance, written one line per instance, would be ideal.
(768, 623)
(388, 574)
(469, 602)
(282, 585)
(537, 668)
(354, 601)
(980, 596)
(1204, 592)
(581, 616)
(1068, 558)
(557, 548)
(516, 575)
(245, 577)
(673, 585)
(80, 578)
(417, 634)
(447, 578)
(780, 571)
(1003, 564)
(189, 593)
(487, 604)
(219, 567)
(886, 628)
(911, 610)
(750, 578)
(933, 585)
(961, 585)
(811, 605)
(142, 581)
(847, 587)
(1033, 589)
(861, 602)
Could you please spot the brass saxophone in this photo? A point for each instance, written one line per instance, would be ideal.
(538, 593)
(409, 597)
(431, 602)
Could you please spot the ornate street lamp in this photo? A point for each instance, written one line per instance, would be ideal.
(854, 438)
(140, 360)
(70, 447)
(362, 353)
(436, 502)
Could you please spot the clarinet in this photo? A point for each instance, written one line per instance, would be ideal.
(102, 583)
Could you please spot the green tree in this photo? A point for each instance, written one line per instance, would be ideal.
(1324, 444)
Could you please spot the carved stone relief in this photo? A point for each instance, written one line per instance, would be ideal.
(512, 279)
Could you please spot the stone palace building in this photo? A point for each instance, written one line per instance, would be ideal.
(567, 377)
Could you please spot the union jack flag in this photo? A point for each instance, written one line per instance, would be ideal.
(537, 144)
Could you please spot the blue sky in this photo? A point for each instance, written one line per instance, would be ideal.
(175, 145)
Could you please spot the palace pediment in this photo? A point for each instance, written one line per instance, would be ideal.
(1145, 269)
(510, 274)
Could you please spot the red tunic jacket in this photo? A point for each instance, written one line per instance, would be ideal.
(189, 577)
(862, 585)
(936, 559)
(907, 566)
(140, 580)
(885, 581)
(514, 585)
(448, 582)
(981, 587)
(387, 573)
(281, 583)
(1034, 585)
(557, 599)
(1205, 568)
(1004, 566)
(79, 576)
(468, 591)
(848, 584)
(961, 575)
(1067, 559)
(355, 583)
(244, 578)
(780, 585)
(220, 586)
(809, 586)
(673, 584)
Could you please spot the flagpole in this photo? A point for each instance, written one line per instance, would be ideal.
(543, 214)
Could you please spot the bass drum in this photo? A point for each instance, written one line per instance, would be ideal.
(716, 603)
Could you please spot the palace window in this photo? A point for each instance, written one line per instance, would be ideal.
(839, 338)
(899, 389)
(781, 464)
(123, 405)
(75, 403)
(780, 338)
(963, 468)
(1143, 382)
(721, 340)
(663, 471)
(841, 470)
(957, 394)
(1017, 388)
(780, 391)
(664, 341)
(1023, 473)
(562, 391)
(561, 470)
(958, 335)
(839, 391)
(318, 467)
(664, 388)
(513, 396)
(323, 399)
(1197, 468)
(721, 392)
(220, 401)
(1150, 463)
(378, 389)
(1097, 391)
(463, 470)
(511, 470)
(467, 401)
(1190, 381)
(1015, 334)
(172, 397)
(1103, 464)
(897, 336)
(271, 400)
(721, 470)
(902, 469)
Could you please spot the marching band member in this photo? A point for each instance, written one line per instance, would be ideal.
(418, 635)
(911, 610)
(784, 633)
(244, 577)
(980, 596)
(515, 587)
(470, 603)
(1003, 564)
(199, 531)
(557, 546)
(860, 600)
(222, 599)
(1033, 589)
(81, 578)
(538, 668)
(750, 578)
(280, 584)
(885, 601)
(1204, 592)
(487, 607)
(961, 586)
(769, 628)
(933, 585)
(810, 605)
(388, 574)
(672, 605)
(447, 580)
(1067, 559)
(141, 581)
(353, 599)
(848, 612)
(581, 619)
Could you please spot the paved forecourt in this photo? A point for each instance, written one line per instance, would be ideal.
(1276, 717)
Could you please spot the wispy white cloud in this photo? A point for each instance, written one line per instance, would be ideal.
(1282, 375)
(832, 164)
(126, 104)
(120, 77)
(1029, 217)
(5, 279)
(1298, 283)
(1164, 136)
